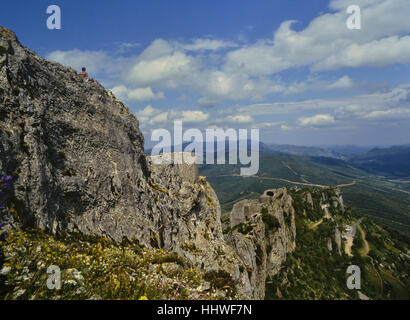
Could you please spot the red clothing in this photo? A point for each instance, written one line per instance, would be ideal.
(84, 74)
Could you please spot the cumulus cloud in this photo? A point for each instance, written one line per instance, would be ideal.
(326, 43)
(165, 65)
(159, 118)
(193, 116)
(148, 111)
(95, 61)
(138, 94)
(240, 119)
(168, 70)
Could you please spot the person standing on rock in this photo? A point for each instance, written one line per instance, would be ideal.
(83, 73)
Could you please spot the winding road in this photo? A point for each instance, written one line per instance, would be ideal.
(350, 236)
(292, 182)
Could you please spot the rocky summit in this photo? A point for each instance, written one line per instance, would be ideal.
(75, 156)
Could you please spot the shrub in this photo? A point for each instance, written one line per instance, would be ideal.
(101, 268)
(221, 280)
(259, 254)
(243, 228)
(270, 221)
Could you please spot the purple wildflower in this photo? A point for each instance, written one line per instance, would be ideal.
(4, 236)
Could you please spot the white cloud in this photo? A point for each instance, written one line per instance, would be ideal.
(391, 114)
(157, 49)
(94, 61)
(376, 53)
(326, 43)
(317, 120)
(154, 116)
(218, 85)
(161, 65)
(143, 94)
(137, 95)
(285, 127)
(148, 111)
(207, 44)
(168, 71)
(355, 106)
(120, 92)
(159, 118)
(193, 116)
(240, 119)
(147, 114)
(164, 65)
(344, 82)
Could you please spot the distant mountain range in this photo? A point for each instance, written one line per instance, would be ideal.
(390, 161)
(304, 151)
(393, 161)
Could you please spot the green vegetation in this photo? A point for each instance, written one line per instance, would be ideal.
(95, 267)
(313, 271)
(241, 227)
(271, 222)
(68, 172)
(244, 228)
(259, 254)
(3, 50)
(221, 280)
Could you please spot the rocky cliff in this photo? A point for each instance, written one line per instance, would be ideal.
(262, 232)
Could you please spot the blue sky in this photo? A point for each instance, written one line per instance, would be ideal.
(290, 68)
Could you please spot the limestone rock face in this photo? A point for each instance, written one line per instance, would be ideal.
(261, 247)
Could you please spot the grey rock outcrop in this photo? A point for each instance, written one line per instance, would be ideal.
(262, 249)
